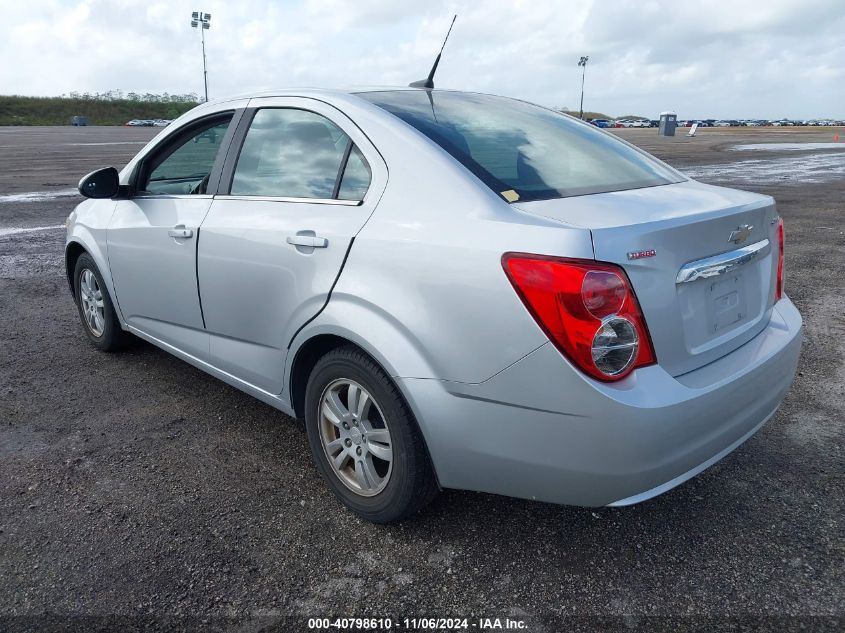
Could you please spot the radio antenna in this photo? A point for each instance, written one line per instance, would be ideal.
(428, 82)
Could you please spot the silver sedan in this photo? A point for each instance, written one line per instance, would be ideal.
(453, 290)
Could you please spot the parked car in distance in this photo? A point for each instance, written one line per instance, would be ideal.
(602, 123)
(632, 123)
(148, 123)
(639, 332)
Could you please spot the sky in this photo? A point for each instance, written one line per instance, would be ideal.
(700, 58)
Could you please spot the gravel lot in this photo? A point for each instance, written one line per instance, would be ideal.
(138, 493)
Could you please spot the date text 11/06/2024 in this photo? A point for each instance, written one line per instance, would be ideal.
(417, 624)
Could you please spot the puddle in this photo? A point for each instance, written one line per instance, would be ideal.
(788, 147)
(38, 196)
(15, 231)
(800, 170)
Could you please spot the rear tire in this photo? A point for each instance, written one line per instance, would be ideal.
(95, 308)
(364, 439)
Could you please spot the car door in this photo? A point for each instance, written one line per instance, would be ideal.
(153, 234)
(305, 181)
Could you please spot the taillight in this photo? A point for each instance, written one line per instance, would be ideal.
(779, 286)
(587, 309)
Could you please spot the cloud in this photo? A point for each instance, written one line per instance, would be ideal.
(714, 58)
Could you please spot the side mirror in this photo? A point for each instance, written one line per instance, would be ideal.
(103, 183)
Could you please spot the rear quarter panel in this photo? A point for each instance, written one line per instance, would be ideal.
(423, 287)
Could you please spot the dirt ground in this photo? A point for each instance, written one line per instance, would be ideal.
(137, 493)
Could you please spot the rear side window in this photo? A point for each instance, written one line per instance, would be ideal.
(356, 177)
(293, 153)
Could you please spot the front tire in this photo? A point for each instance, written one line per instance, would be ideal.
(364, 439)
(95, 307)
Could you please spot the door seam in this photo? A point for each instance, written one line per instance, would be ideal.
(328, 295)
(197, 273)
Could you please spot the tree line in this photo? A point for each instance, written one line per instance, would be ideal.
(100, 108)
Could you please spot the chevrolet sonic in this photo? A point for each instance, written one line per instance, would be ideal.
(453, 290)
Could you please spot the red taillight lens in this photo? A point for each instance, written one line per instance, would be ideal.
(779, 286)
(603, 293)
(588, 310)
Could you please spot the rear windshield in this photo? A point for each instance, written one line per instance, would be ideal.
(522, 151)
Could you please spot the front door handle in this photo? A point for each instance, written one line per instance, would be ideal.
(311, 241)
(179, 231)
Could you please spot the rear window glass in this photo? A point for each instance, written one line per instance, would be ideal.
(523, 151)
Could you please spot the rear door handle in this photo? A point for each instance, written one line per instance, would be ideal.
(311, 241)
(179, 231)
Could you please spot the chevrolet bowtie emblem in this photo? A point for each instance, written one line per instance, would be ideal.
(741, 233)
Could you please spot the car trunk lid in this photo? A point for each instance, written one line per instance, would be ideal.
(702, 261)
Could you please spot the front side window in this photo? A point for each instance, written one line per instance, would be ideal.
(523, 151)
(293, 153)
(185, 166)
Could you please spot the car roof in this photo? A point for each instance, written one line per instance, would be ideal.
(342, 92)
(308, 91)
(331, 95)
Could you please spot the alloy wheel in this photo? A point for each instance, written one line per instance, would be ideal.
(355, 437)
(91, 301)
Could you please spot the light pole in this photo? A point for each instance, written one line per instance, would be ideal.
(583, 63)
(202, 21)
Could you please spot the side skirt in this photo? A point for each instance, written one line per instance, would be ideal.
(265, 396)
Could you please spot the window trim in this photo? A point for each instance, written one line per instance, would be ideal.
(329, 201)
(176, 140)
(227, 176)
(341, 169)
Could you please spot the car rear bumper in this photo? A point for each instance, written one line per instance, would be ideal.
(541, 430)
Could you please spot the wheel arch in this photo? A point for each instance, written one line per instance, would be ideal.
(82, 241)
(319, 342)
(304, 360)
(73, 250)
(309, 352)
(327, 331)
